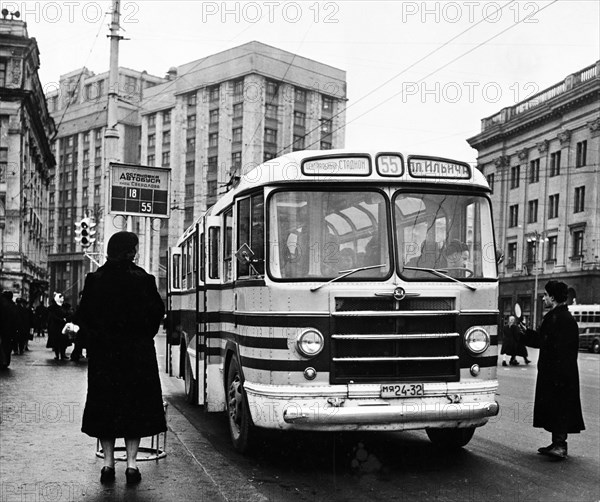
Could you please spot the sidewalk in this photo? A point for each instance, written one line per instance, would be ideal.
(45, 457)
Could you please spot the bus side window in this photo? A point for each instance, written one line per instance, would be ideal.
(228, 247)
(250, 220)
(214, 236)
(176, 271)
(202, 251)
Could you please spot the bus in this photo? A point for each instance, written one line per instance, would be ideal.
(588, 319)
(319, 294)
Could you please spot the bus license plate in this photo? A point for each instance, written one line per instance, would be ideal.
(402, 390)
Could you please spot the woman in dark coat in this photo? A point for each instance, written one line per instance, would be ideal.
(120, 311)
(557, 405)
(57, 318)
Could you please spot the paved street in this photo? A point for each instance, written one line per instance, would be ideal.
(45, 457)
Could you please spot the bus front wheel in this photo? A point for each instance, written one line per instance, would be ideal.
(241, 427)
(191, 383)
(450, 438)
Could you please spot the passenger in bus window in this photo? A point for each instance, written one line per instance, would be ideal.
(457, 255)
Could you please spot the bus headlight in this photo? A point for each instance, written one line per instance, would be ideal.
(477, 340)
(310, 342)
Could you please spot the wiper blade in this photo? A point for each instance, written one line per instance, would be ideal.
(346, 273)
(440, 274)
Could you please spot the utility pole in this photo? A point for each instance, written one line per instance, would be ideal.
(111, 135)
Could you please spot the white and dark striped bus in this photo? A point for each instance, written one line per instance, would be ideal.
(323, 293)
(588, 319)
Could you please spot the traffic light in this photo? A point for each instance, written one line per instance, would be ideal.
(84, 231)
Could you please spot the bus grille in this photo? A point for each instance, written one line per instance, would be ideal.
(383, 340)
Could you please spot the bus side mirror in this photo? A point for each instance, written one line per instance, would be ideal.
(499, 256)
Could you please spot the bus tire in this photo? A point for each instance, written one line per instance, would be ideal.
(191, 384)
(241, 428)
(450, 438)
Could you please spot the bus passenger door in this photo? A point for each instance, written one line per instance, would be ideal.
(173, 321)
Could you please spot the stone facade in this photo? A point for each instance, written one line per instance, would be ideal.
(541, 158)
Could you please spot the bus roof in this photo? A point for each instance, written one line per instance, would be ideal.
(345, 165)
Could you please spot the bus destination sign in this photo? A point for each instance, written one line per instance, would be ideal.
(426, 167)
(337, 166)
(139, 190)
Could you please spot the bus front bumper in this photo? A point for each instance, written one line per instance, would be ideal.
(452, 405)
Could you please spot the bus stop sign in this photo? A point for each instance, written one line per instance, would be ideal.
(140, 190)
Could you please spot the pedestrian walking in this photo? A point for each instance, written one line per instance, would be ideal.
(57, 318)
(512, 344)
(24, 324)
(41, 319)
(8, 328)
(121, 311)
(557, 407)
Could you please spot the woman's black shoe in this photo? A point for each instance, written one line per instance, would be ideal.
(133, 475)
(107, 474)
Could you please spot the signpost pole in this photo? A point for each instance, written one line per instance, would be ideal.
(148, 229)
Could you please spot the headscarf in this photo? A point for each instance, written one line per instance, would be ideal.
(121, 246)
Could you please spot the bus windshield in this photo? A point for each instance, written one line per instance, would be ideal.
(451, 233)
(321, 234)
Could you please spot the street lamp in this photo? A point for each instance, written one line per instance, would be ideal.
(536, 238)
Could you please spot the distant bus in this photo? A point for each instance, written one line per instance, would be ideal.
(588, 318)
(322, 294)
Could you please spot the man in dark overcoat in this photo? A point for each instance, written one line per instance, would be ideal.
(121, 311)
(557, 407)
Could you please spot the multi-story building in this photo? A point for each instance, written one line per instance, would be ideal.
(221, 115)
(541, 158)
(78, 103)
(25, 163)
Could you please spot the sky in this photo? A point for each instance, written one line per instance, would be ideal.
(420, 75)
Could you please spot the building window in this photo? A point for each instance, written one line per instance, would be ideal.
(326, 145)
(152, 120)
(513, 215)
(299, 95)
(236, 135)
(534, 171)
(189, 191)
(167, 118)
(532, 211)
(531, 251)
(166, 159)
(327, 104)
(213, 93)
(326, 126)
(213, 139)
(191, 121)
(579, 199)
(553, 206)
(577, 236)
(84, 192)
(190, 168)
(270, 136)
(151, 140)
(238, 89)
(512, 254)
(236, 161)
(86, 138)
(191, 99)
(150, 160)
(552, 247)
(581, 157)
(238, 111)
(490, 180)
(515, 173)
(166, 137)
(268, 156)
(213, 116)
(271, 111)
(98, 135)
(2, 72)
(299, 119)
(272, 88)
(554, 164)
(190, 144)
(298, 142)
